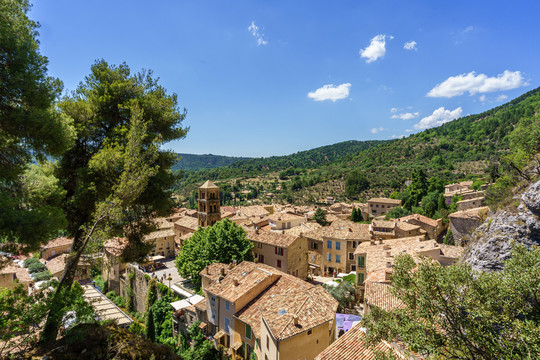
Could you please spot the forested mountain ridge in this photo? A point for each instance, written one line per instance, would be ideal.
(460, 148)
(205, 161)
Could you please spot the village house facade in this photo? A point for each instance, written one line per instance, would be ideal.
(284, 252)
(253, 308)
(60, 245)
(381, 206)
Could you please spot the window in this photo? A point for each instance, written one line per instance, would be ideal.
(354, 244)
(360, 277)
(338, 245)
(278, 264)
(279, 251)
(312, 257)
(309, 332)
(228, 325)
(351, 256)
(361, 261)
(248, 332)
(328, 257)
(227, 305)
(261, 259)
(338, 259)
(353, 267)
(314, 245)
(213, 300)
(267, 342)
(213, 317)
(259, 245)
(329, 244)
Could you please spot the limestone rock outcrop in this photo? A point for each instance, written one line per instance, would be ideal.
(492, 242)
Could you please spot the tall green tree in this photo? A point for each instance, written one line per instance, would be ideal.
(116, 176)
(30, 128)
(320, 217)
(455, 312)
(150, 327)
(223, 242)
(355, 183)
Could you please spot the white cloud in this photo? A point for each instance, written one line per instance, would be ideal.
(482, 98)
(408, 130)
(410, 45)
(406, 116)
(468, 29)
(397, 136)
(393, 110)
(376, 130)
(254, 30)
(376, 48)
(481, 83)
(330, 92)
(439, 117)
(502, 97)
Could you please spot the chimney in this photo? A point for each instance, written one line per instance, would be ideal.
(388, 264)
(223, 271)
(208, 270)
(295, 320)
(380, 240)
(350, 230)
(236, 283)
(388, 254)
(388, 275)
(372, 242)
(256, 230)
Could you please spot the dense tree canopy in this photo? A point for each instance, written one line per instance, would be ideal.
(223, 242)
(116, 177)
(30, 128)
(457, 313)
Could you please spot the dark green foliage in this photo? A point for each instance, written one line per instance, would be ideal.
(43, 275)
(129, 299)
(150, 330)
(204, 162)
(36, 268)
(201, 349)
(30, 128)
(356, 215)
(152, 294)
(455, 312)
(223, 242)
(32, 260)
(344, 293)
(397, 213)
(137, 328)
(449, 238)
(320, 217)
(355, 183)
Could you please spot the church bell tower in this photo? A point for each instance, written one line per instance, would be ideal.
(209, 209)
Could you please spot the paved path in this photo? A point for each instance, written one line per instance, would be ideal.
(171, 271)
(104, 307)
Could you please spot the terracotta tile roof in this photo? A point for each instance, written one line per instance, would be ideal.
(405, 226)
(115, 246)
(419, 218)
(341, 229)
(451, 251)
(201, 305)
(20, 273)
(383, 224)
(192, 213)
(284, 216)
(188, 222)
(385, 201)
(60, 241)
(272, 238)
(240, 280)
(213, 271)
(163, 223)
(253, 211)
(379, 254)
(285, 299)
(302, 229)
(208, 185)
(379, 294)
(352, 346)
(159, 234)
(481, 198)
(57, 264)
(470, 213)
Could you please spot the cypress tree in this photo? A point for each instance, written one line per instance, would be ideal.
(150, 330)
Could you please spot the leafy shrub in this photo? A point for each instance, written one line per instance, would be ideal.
(30, 261)
(44, 275)
(111, 295)
(36, 267)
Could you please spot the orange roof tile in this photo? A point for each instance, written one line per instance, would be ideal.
(419, 218)
(352, 346)
(379, 294)
(60, 241)
(272, 238)
(115, 246)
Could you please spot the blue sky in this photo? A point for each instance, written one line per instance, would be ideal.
(261, 78)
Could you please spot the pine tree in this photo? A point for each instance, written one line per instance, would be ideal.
(150, 330)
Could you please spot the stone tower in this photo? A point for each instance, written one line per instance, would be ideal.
(209, 210)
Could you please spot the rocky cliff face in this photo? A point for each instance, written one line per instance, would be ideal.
(492, 241)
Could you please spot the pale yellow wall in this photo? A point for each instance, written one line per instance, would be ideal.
(297, 262)
(270, 256)
(342, 253)
(240, 336)
(161, 246)
(376, 208)
(286, 224)
(50, 252)
(304, 346)
(6, 280)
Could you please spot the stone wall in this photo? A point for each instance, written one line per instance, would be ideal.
(463, 226)
(138, 283)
